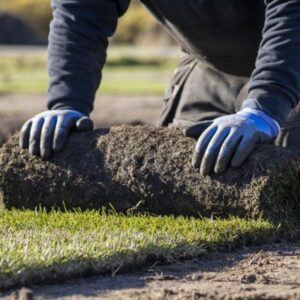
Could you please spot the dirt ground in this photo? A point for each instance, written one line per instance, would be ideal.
(271, 272)
(109, 110)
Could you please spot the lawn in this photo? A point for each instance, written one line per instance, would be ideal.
(126, 72)
(37, 247)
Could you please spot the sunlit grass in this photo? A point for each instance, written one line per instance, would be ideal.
(123, 74)
(37, 247)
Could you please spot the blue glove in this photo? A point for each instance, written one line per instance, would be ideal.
(230, 139)
(49, 131)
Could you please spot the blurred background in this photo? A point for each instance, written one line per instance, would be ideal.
(141, 60)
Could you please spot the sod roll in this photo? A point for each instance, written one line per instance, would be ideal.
(143, 169)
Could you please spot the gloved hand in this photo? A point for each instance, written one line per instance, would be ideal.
(230, 139)
(49, 131)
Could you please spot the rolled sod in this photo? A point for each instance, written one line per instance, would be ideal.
(142, 169)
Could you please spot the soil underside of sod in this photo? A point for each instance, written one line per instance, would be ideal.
(142, 169)
(145, 169)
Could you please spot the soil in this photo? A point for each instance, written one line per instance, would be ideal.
(15, 109)
(150, 170)
(271, 272)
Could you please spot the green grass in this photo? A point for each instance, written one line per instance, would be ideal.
(38, 247)
(125, 74)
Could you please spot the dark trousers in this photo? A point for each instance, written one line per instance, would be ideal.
(198, 92)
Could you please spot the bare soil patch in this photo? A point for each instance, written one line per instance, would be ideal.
(271, 272)
(15, 109)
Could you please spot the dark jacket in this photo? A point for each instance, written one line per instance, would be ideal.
(227, 37)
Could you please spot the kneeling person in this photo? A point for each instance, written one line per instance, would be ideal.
(238, 83)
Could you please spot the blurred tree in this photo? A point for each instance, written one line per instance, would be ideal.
(36, 13)
(137, 26)
(14, 31)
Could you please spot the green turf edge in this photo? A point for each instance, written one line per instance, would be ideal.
(203, 236)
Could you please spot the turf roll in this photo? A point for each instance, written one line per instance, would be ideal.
(136, 169)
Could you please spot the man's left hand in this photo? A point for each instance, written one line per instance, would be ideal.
(229, 140)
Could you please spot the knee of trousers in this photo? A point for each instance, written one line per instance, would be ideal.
(289, 135)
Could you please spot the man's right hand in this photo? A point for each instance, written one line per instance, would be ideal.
(48, 131)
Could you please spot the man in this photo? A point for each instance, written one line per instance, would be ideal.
(238, 81)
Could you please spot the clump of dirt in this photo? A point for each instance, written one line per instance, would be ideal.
(145, 169)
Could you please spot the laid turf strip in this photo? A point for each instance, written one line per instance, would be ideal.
(36, 247)
(143, 169)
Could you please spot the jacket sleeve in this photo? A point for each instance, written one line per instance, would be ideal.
(275, 83)
(78, 41)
